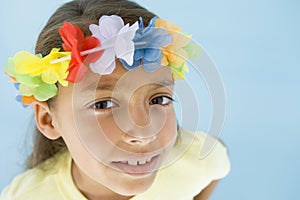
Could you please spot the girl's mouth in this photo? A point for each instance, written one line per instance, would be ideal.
(138, 167)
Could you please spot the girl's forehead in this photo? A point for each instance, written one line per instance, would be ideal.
(122, 78)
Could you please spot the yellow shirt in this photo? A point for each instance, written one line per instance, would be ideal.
(181, 180)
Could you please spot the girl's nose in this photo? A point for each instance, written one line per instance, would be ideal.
(139, 115)
(140, 125)
(137, 124)
(135, 140)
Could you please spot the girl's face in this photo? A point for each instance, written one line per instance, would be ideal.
(119, 128)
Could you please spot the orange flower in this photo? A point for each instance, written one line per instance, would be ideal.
(174, 54)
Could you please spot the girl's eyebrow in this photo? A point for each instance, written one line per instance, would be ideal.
(164, 83)
(107, 86)
(111, 86)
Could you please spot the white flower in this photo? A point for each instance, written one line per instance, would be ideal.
(116, 39)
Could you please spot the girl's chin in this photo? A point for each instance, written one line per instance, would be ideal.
(138, 185)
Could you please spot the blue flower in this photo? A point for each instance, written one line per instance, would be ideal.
(19, 99)
(17, 85)
(148, 41)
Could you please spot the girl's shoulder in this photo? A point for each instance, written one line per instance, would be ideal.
(202, 150)
(38, 180)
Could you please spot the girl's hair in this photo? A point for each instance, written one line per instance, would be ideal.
(80, 13)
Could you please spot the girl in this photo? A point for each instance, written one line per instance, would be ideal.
(101, 87)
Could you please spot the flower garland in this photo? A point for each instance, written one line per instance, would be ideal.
(160, 43)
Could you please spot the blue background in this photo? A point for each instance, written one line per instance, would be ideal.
(256, 47)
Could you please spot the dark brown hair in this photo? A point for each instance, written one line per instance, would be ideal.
(80, 13)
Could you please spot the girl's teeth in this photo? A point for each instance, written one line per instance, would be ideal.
(136, 162)
(142, 162)
(132, 162)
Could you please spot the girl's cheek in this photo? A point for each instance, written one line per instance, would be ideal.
(107, 126)
(169, 132)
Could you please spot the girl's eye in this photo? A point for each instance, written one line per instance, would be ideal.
(161, 100)
(106, 104)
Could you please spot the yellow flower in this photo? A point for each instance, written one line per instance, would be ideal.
(178, 73)
(34, 65)
(168, 25)
(174, 54)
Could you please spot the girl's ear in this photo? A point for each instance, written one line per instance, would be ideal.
(44, 120)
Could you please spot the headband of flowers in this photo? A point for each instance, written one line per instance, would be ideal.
(35, 76)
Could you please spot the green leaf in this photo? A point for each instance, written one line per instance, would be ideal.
(193, 50)
(30, 81)
(26, 90)
(45, 91)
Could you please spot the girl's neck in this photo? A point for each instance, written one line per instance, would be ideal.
(91, 189)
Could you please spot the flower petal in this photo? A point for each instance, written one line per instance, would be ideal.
(106, 60)
(109, 26)
(90, 43)
(124, 45)
(50, 76)
(26, 63)
(135, 64)
(71, 35)
(9, 67)
(109, 69)
(45, 92)
(26, 100)
(96, 32)
(30, 81)
(152, 54)
(25, 90)
(150, 66)
(193, 50)
(77, 73)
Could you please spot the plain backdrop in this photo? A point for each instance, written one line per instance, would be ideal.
(256, 47)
